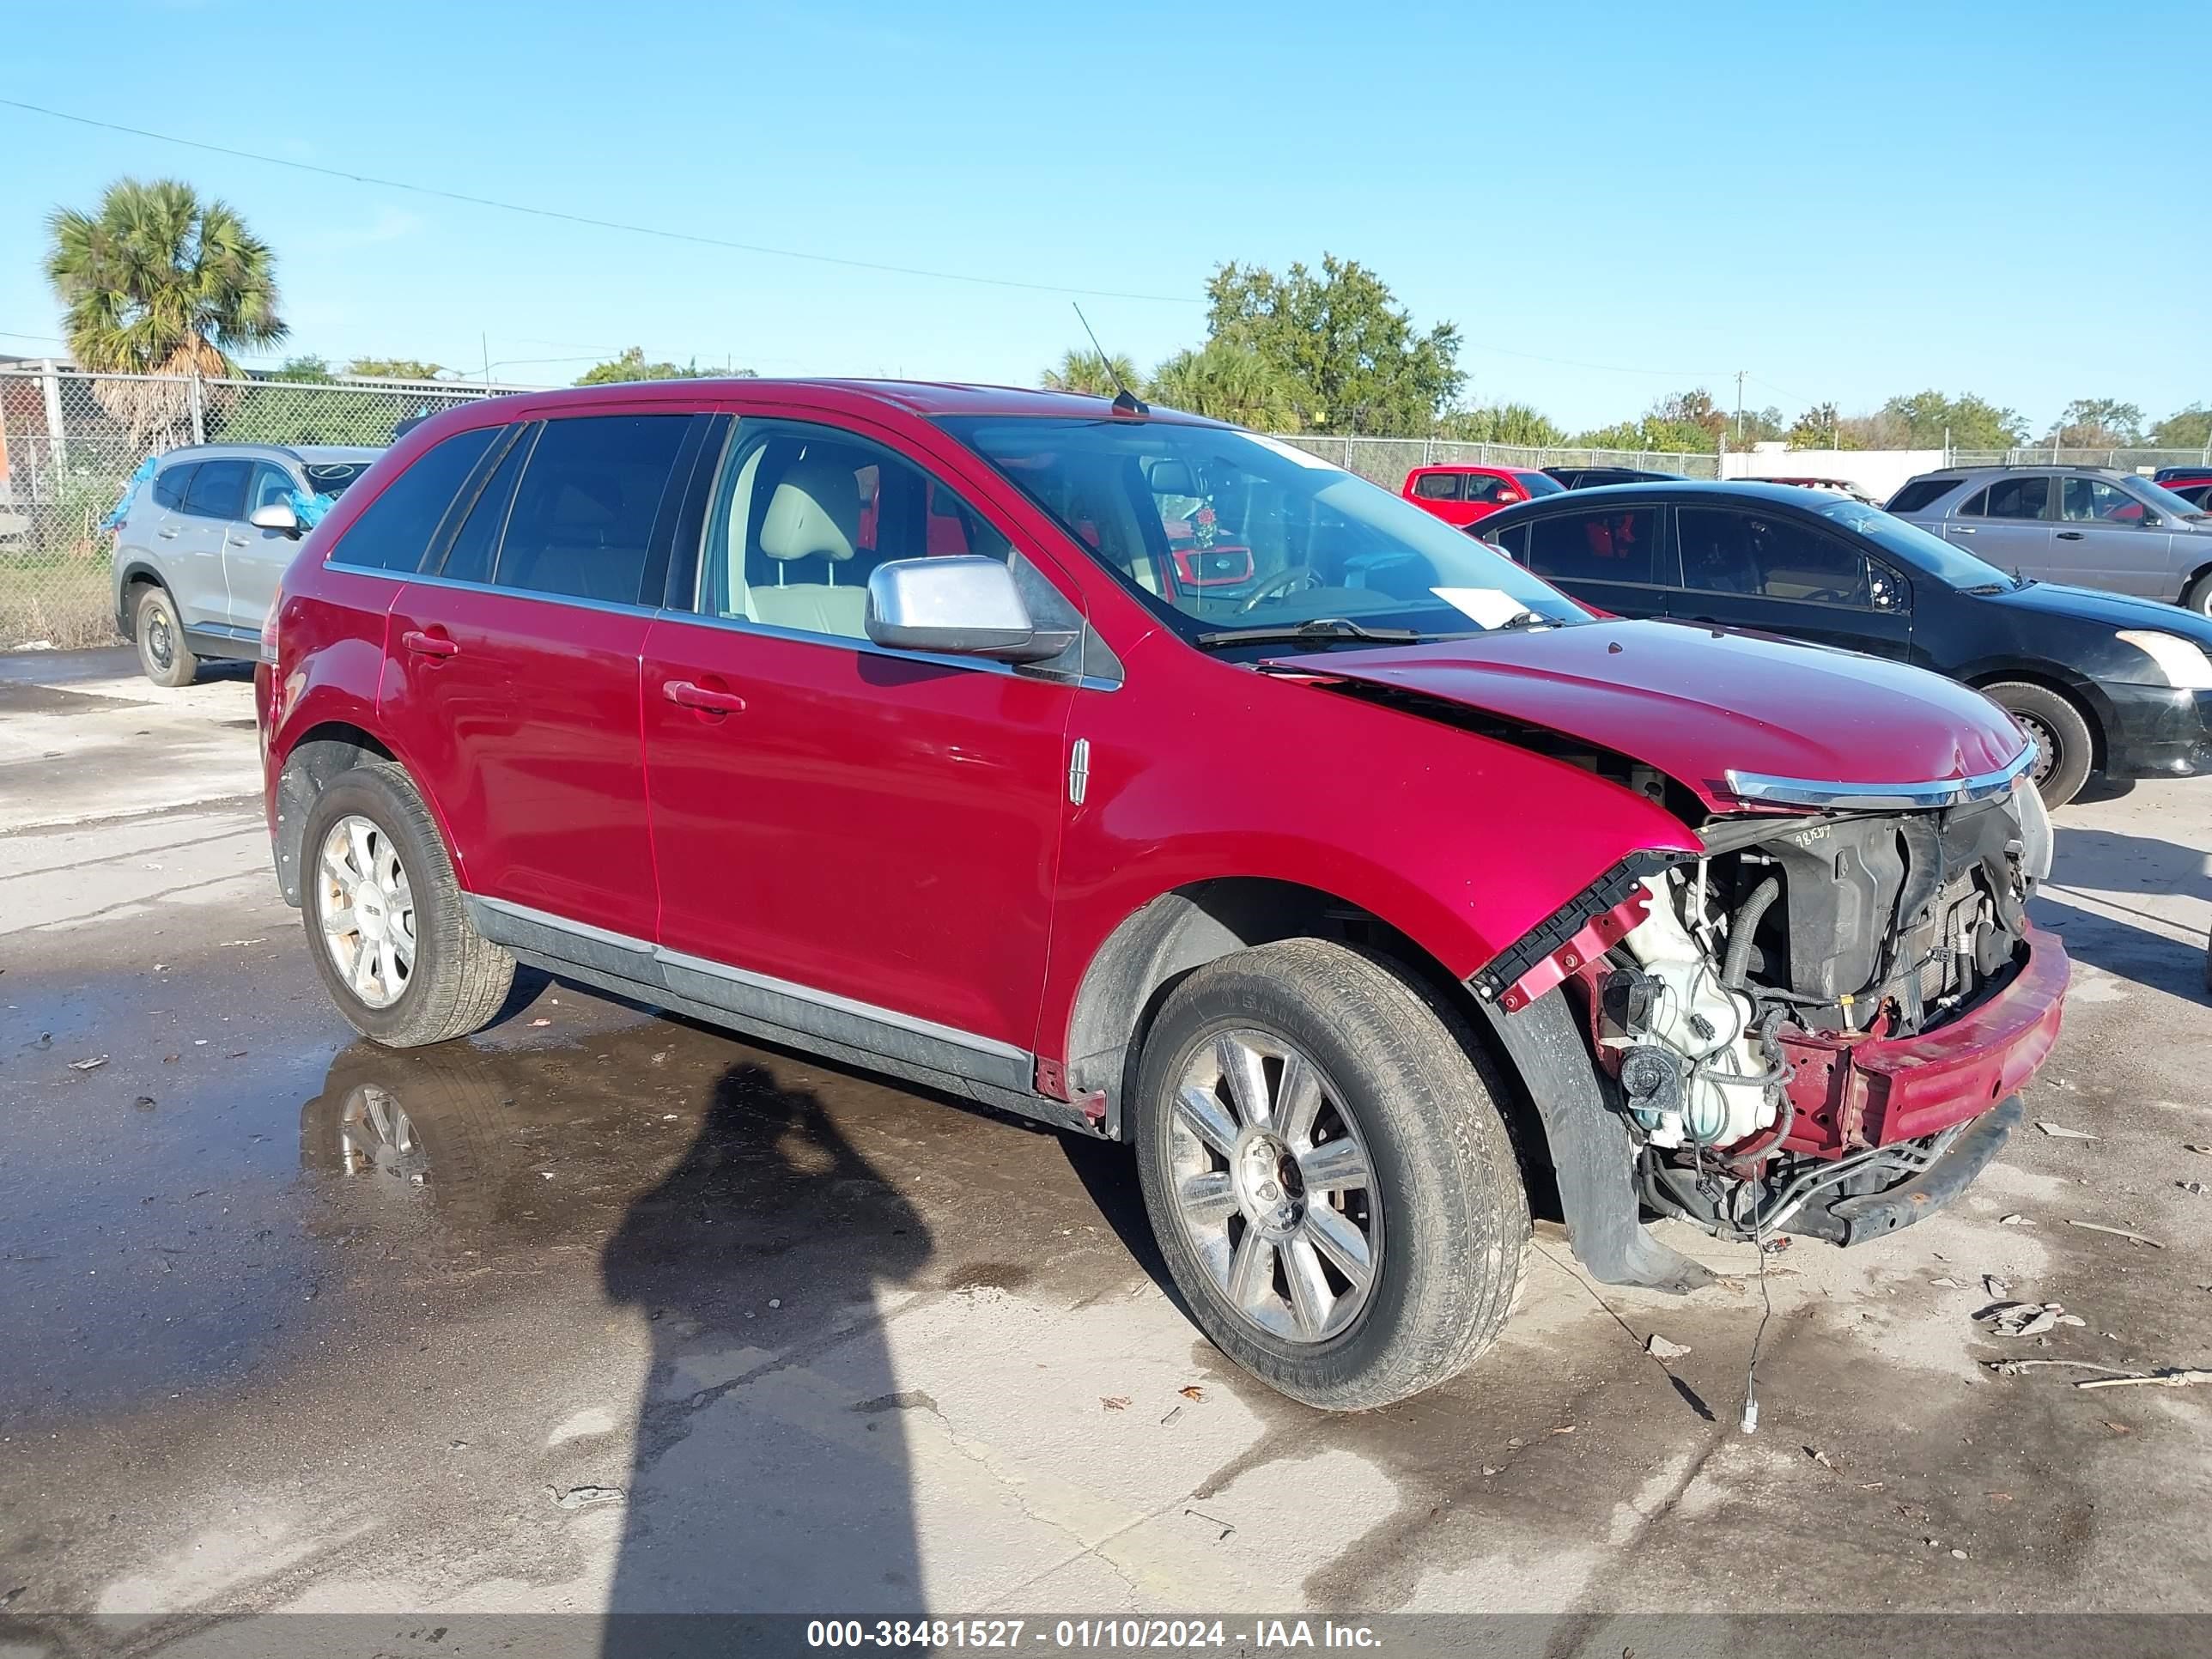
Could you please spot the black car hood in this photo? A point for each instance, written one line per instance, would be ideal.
(2113, 611)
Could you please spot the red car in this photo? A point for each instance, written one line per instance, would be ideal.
(894, 723)
(1462, 494)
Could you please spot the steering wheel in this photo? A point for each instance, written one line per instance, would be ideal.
(1281, 582)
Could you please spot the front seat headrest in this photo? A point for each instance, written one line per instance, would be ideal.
(815, 512)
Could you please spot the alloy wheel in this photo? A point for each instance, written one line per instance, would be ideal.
(367, 911)
(1274, 1187)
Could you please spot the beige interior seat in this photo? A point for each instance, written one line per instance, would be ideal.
(815, 513)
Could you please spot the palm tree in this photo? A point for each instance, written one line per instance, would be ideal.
(160, 283)
(1086, 371)
(1226, 382)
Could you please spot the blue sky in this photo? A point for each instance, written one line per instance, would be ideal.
(1612, 202)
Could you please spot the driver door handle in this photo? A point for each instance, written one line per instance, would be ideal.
(2069, 535)
(687, 694)
(429, 645)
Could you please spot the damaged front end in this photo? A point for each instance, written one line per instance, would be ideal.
(1818, 1026)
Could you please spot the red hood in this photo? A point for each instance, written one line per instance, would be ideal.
(1698, 704)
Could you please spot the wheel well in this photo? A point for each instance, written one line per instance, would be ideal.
(325, 751)
(2057, 688)
(135, 577)
(2204, 572)
(1154, 950)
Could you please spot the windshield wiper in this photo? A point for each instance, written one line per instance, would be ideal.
(1319, 631)
(1980, 588)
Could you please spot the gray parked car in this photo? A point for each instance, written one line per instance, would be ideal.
(2083, 525)
(208, 537)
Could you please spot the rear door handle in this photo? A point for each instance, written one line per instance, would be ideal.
(167, 533)
(429, 645)
(687, 694)
(1958, 530)
(2069, 535)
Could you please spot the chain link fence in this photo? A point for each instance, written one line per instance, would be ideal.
(71, 441)
(1386, 461)
(2123, 460)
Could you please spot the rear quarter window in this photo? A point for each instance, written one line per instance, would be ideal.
(170, 484)
(1919, 493)
(397, 529)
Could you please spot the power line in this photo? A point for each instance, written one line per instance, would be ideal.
(659, 231)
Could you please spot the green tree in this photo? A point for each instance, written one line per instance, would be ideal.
(1923, 420)
(2097, 424)
(632, 366)
(1225, 381)
(2185, 429)
(314, 371)
(1502, 423)
(395, 368)
(1089, 372)
(158, 281)
(1342, 342)
(1818, 427)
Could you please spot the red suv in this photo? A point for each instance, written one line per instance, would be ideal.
(1462, 495)
(908, 725)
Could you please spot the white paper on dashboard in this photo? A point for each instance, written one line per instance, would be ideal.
(1493, 607)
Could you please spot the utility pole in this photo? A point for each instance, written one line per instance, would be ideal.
(1739, 374)
(484, 340)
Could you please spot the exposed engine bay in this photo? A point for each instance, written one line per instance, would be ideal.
(1722, 1015)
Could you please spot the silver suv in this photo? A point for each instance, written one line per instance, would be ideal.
(199, 557)
(2084, 526)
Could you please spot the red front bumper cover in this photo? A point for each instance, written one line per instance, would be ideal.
(1852, 1090)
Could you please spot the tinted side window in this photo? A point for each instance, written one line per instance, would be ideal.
(1514, 539)
(1919, 492)
(1620, 545)
(2084, 499)
(271, 484)
(1481, 488)
(171, 483)
(218, 490)
(1776, 558)
(1437, 486)
(469, 558)
(583, 517)
(397, 529)
(2016, 498)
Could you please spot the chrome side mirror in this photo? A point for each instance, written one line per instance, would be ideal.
(276, 515)
(962, 606)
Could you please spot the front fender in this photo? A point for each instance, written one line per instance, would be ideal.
(1461, 841)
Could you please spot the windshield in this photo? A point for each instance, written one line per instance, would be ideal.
(1218, 530)
(332, 478)
(1538, 483)
(1917, 547)
(2166, 500)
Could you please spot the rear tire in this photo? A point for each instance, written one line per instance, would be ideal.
(1405, 1106)
(385, 921)
(2064, 743)
(162, 653)
(2198, 596)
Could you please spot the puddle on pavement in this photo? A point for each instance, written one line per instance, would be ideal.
(201, 1210)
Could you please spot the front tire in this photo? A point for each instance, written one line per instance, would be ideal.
(2064, 745)
(2198, 596)
(1328, 1174)
(385, 921)
(162, 654)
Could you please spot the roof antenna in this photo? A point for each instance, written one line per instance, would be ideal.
(1125, 402)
